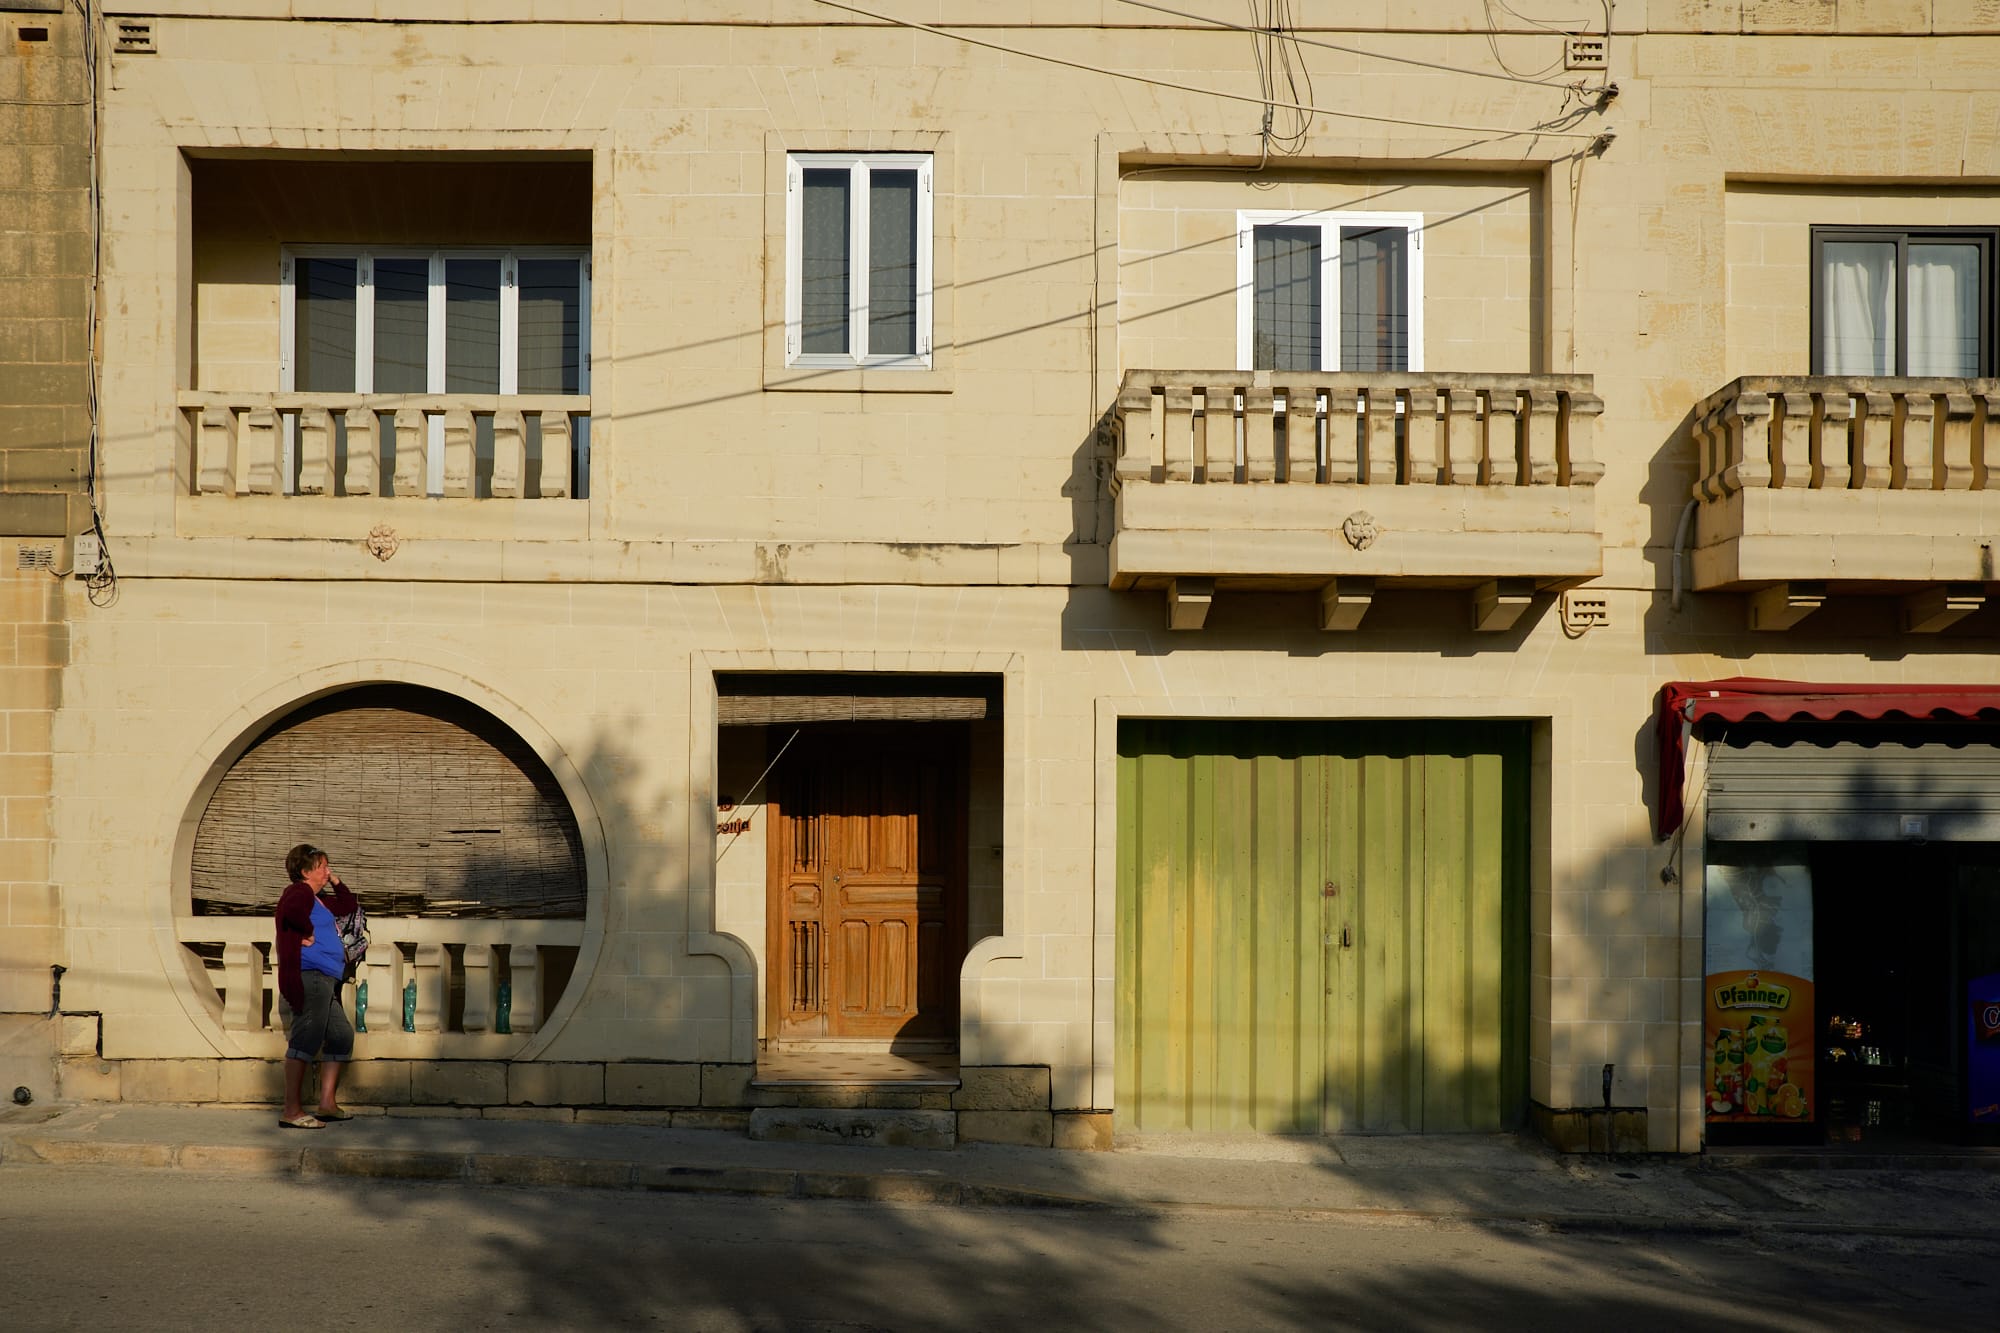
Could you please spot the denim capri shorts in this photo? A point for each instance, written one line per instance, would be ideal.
(319, 1031)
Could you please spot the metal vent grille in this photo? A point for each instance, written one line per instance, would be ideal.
(133, 37)
(1587, 52)
(35, 557)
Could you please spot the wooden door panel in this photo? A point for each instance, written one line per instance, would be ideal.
(935, 980)
(893, 965)
(873, 819)
(851, 970)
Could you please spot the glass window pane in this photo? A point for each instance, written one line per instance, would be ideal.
(892, 263)
(1943, 287)
(472, 326)
(323, 325)
(823, 252)
(1374, 298)
(1285, 303)
(1857, 304)
(551, 317)
(402, 325)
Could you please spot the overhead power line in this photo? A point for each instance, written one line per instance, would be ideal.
(1258, 99)
(1352, 50)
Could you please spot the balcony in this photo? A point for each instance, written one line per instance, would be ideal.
(258, 464)
(437, 988)
(1817, 486)
(1349, 483)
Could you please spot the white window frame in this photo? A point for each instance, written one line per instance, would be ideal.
(364, 258)
(859, 165)
(1329, 225)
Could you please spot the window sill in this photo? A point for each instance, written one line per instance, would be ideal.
(858, 379)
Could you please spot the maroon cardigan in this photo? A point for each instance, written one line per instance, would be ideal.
(294, 918)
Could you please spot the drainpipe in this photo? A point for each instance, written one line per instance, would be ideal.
(1680, 547)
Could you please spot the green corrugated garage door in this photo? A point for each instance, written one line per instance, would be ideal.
(1322, 925)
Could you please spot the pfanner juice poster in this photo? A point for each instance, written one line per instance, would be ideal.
(1760, 993)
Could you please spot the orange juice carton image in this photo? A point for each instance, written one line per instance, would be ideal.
(1766, 1068)
(1725, 1087)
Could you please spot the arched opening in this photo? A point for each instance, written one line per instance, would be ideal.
(453, 832)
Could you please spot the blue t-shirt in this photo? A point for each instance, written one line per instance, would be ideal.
(325, 953)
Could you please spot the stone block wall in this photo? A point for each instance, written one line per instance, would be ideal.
(45, 274)
(993, 1104)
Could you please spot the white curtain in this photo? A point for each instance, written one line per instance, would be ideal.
(1857, 317)
(1944, 305)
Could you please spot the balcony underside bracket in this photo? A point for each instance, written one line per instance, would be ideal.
(1343, 602)
(1498, 603)
(1783, 605)
(1188, 601)
(1934, 608)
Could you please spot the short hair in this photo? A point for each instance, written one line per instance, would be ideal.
(301, 859)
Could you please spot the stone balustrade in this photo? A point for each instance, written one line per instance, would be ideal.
(1839, 433)
(1405, 428)
(414, 969)
(1815, 486)
(325, 444)
(1265, 481)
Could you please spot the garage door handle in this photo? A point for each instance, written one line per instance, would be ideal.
(1346, 938)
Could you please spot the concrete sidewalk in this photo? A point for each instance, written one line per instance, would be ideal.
(1474, 1179)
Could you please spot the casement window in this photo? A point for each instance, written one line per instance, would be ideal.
(858, 253)
(1903, 301)
(1329, 291)
(459, 321)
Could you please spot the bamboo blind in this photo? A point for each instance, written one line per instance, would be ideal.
(430, 806)
(761, 700)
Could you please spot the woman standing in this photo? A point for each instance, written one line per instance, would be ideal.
(311, 966)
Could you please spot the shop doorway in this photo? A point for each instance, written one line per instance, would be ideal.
(1906, 948)
(1854, 994)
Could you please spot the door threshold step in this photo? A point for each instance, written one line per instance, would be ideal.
(885, 1128)
(861, 1070)
(861, 1085)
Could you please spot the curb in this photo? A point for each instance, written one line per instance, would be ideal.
(535, 1172)
(528, 1171)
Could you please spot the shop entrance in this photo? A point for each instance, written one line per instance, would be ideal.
(1902, 1037)
(1885, 954)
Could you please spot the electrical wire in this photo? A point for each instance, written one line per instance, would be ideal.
(1292, 61)
(745, 798)
(101, 586)
(1354, 50)
(1491, 131)
(1491, 33)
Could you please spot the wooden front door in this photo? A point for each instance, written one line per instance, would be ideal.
(867, 883)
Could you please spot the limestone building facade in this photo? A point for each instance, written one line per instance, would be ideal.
(1055, 569)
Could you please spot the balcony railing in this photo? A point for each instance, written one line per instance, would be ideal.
(1402, 429)
(1811, 485)
(327, 444)
(1265, 480)
(1836, 433)
(463, 987)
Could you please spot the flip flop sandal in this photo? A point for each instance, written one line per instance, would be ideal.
(337, 1113)
(303, 1122)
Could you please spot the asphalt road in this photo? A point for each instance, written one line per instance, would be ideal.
(106, 1248)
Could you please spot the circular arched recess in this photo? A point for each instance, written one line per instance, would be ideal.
(460, 841)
